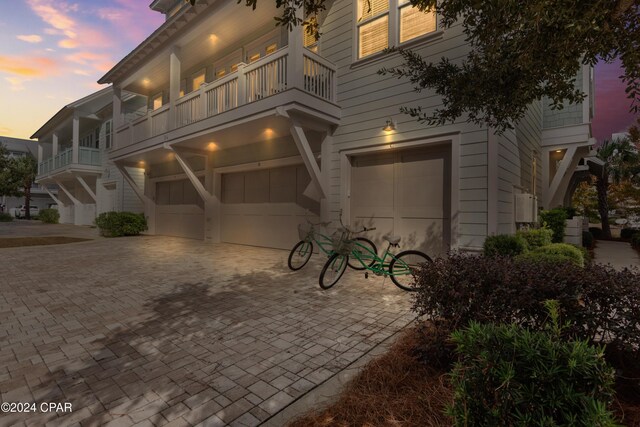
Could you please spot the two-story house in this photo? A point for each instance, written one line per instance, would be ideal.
(71, 155)
(247, 128)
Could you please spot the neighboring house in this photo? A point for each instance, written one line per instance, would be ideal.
(40, 196)
(72, 148)
(247, 128)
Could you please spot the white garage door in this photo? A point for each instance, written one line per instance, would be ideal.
(264, 207)
(179, 210)
(405, 193)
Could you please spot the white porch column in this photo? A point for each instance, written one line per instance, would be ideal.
(295, 62)
(54, 138)
(174, 84)
(40, 149)
(117, 110)
(76, 139)
(325, 164)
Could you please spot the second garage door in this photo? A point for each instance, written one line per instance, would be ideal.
(405, 193)
(263, 207)
(179, 210)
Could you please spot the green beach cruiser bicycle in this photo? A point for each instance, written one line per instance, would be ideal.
(348, 251)
(309, 234)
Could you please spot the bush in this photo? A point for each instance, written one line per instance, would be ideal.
(570, 211)
(602, 304)
(116, 224)
(544, 258)
(507, 375)
(5, 217)
(587, 239)
(536, 237)
(555, 220)
(504, 245)
(635, 241)
(563, 250)
(596, 232)
(49, 216)
(626, 233)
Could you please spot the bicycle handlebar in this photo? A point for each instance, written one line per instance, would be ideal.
(351, 230)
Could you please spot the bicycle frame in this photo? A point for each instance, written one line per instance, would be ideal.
(380, 265)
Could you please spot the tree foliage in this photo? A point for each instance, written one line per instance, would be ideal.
(17, 175)
(520, 52)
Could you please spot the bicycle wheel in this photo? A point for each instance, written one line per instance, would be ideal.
(333, 270)
(404, 266)
(364, 254)
(300, 255)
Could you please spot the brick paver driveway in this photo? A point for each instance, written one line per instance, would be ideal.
(168, 331)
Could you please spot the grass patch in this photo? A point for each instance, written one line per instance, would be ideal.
(394, 389)
(15, 242)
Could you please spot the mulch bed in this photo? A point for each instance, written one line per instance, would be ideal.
(396, 389)
(391, 390)
(15, 242)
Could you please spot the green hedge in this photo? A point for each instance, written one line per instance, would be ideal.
(536, 237)
(49, 216)
(116, 224)
(504, 245)
(627, 233)
(565, 250)
(587, 239)
(635, 241)
(555, 219)
(5, 217)
(507, 375)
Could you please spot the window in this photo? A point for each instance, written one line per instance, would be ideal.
(413, 22)
(234, 68)
(107, 134)
(198, 80)
(157, 101)
(373, 26)
(308, 40)
(221, 73)
(254, 57)
(271, 48)
(377, 29)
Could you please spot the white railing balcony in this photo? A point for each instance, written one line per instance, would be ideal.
(86, 157)
(263, 78)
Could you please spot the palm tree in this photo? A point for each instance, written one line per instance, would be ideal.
(24, 170)
(621, 161)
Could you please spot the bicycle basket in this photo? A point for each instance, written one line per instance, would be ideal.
(341, 243)
(305, 232)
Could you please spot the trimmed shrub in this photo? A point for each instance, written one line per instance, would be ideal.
(587, 239)
(626, 233)
(563, 250)
(49, 216)
(536, 237)
(116, 224)
(544, 258)
(5, 217)
(507, 375)
(601, 303)
(596, 232)
(555, 220)
(635, 241)
(504, 245)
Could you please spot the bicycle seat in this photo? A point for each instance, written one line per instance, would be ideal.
(393, 240)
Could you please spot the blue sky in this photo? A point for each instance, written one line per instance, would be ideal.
(52, 52)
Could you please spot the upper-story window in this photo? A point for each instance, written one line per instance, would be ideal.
(375, 28)
(198, 79)
(107, 134)
(309, 41)
(157, 101)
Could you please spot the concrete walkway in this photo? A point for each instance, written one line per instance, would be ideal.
(619, 254)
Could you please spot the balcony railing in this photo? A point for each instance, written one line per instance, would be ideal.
(86, 156)
(250, 83)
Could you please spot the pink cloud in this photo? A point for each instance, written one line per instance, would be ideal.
(29, 38)
(97, 61)
(127, 15)
(28, 66)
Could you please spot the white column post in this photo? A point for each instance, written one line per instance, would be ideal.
(325, 167)
(174, 84)
(54, 139)
(76, 139)
(242, 85)
(39, 156)
(117, 110)
(295, 62)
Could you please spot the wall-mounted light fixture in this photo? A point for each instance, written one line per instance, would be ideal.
(390, 126)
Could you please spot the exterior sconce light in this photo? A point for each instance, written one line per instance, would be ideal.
(390, 126)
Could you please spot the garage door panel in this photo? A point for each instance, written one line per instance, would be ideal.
(233, 188)
(256, 186)
(180, 221)
(384, 227)
(280, 188)
(427, 235)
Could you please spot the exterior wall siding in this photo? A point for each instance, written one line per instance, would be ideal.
(369, 99)
(570, 114)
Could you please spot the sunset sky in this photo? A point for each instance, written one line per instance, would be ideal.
(52, 52)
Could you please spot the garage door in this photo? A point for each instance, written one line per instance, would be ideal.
(264, 207)
(405, 193)
(179, 210)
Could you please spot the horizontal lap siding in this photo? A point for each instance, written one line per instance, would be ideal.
(369, 99)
